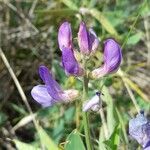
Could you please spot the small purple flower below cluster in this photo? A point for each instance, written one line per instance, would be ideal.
(139, 129)
(51, 93)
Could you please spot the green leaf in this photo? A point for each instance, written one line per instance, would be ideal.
(70, 4)
(117, 17)
(104, 22)
(132, 40)
(74, 141)
(24, 146)
(114, 139)
(145, 9)
(111, 114)
(3, 118)
(46, 140)
(69, 114)
(59, 130)
(18, 109)
(122, 123)
(102, 139)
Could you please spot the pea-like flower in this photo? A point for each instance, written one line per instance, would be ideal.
(94, 104)
(139, 129)
(51, 93)
(112, 59)
(88, 41)
(69, 62)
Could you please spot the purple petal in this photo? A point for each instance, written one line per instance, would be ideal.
(147, 147)
(69, 62)
(92, 104)
(52, 86)
(139, 129)
(42, 72)
(40, 94)
(99, 72)
(112, 55)
(94, 41)
(83, 39)
(65, 36)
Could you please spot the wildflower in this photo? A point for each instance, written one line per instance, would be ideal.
(139, 129)
(112, 59)
(88, 41)
(69, 62)
(93, 104)
(51, 93)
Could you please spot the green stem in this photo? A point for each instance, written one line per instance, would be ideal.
(85, 116)
(77, 115)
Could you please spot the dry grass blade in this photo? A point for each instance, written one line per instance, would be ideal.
(28, 22)
(133, 85)
(33, 7)
(136, 88)
(24, 121)
(21, 92)
(131, 96)
(121, 74)
(147, 32)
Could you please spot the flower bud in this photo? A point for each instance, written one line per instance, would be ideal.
(88, 41)
(65, 36)
(112, 59)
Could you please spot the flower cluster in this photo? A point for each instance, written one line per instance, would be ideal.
(139, 129)
(88, 42)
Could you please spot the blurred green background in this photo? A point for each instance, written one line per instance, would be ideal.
(28, 38)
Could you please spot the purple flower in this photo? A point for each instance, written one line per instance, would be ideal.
(88, 41)
(139, 129)
(93, 104)
(70, 64)
(112, 59)
(51, 93)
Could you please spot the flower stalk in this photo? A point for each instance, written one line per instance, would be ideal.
(77, 114)
(85, 114)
